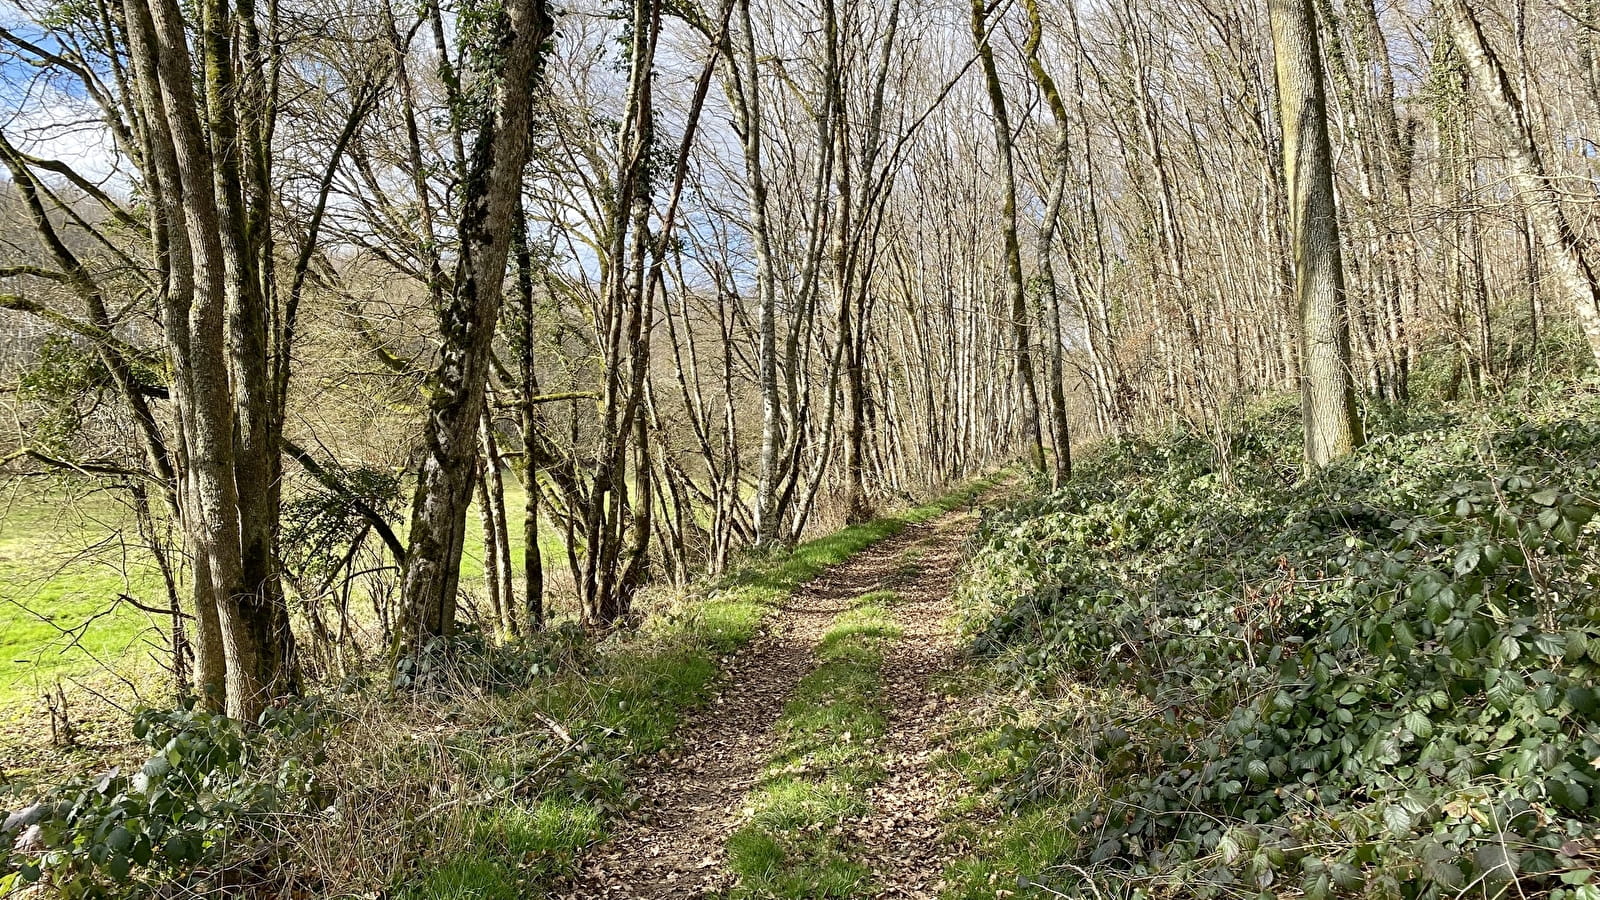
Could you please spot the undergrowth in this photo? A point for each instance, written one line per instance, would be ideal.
(793, 845)
(485, 780)
(1377, 681)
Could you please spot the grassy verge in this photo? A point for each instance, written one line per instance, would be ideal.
(1015, 838)
(547, 794)
(818, 780)
(64, 561)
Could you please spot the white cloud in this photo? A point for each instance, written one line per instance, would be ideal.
(55, 126)
(45, 113)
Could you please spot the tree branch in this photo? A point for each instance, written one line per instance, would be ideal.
(76, 326)
(326, 479)
(86, 468)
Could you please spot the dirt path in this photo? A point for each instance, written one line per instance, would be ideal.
(901, 840)
(672, 844)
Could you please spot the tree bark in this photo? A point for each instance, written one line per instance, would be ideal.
(1328, 404)
(1059, 428)
(1033, 440)
(1572, 273)
(490, 198)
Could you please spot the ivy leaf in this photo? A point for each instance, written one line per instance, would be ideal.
(1228, 849)
(1509, 649)
(1498, 861)
(1582, 700)
(1258, 770)
(1577, 643)
(176, 849)
(1346, 876)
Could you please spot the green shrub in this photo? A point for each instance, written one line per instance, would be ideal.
(1381, 678)
(207, 782)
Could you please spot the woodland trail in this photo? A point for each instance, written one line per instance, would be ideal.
(673, 843)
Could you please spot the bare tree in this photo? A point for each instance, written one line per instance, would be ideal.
(1328, 404)
(493, 182)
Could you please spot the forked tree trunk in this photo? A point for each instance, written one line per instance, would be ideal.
(1328, 402)
(214, 324)
(450, 438)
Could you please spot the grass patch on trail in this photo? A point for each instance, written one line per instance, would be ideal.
(628, 702)
(819, 777)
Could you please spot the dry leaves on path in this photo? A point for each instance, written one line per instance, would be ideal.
(690, 800)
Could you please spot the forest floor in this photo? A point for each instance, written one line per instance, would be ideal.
(823, 732)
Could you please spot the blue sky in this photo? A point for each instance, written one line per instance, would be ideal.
(51, 116)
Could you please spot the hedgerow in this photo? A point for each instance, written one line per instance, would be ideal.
(1377, 681)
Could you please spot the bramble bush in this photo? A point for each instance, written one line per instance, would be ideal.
(208, 783)
(1377, 681)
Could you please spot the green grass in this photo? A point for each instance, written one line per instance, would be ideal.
(1011, 844)
(62, 565)
(1021, 845)
(494, 793)
(552, 544)
(818, 779)
(515, 849)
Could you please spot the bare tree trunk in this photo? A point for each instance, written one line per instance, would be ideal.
(1060, 430)
(750, 127)
(1328, 403)
(500, 546)
(1563, 256)
(255, 619)
(490, 199)
(213, 303)
(491, 558)
(533, 457)
(1033, 441)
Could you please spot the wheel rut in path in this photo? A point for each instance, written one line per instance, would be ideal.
(672, 843)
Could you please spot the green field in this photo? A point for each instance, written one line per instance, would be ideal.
(64, 564)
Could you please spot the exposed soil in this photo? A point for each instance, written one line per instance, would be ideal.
(672, 844)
